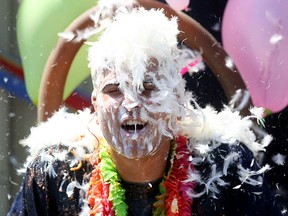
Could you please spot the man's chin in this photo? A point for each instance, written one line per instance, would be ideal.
(136, 154)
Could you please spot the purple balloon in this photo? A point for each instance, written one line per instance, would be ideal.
(255, 35)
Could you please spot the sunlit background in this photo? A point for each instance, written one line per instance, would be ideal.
(17, 114)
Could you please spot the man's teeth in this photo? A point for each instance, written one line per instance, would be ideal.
(131, 122)
(133, 125)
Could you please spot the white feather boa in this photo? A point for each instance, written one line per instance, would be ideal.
(202, 127)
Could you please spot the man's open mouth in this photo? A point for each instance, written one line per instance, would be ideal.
(133, 126)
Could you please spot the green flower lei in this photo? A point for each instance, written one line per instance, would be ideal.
(111, 176)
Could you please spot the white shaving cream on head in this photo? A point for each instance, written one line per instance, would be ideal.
(141, 46)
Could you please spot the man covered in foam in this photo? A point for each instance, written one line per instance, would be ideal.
(145, 150)
(142, 61)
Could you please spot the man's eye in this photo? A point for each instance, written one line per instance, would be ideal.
(149, 86)
(111, 89)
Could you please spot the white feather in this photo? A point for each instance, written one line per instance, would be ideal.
(279, 159)
(74, 132)
(230, 159)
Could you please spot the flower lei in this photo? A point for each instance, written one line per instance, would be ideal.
(107, 197)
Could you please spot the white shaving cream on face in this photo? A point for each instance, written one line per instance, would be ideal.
(138, 54)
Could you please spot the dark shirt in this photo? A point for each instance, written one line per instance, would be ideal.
(45, 194)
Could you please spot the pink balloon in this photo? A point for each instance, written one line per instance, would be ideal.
(255, 35)
(178, 4)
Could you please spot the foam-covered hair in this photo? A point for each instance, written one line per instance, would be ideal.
(131, 40)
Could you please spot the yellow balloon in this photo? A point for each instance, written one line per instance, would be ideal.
(38, 25)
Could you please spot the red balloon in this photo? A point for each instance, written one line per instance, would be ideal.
(255, 35)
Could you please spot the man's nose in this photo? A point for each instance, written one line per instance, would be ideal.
(131, 101)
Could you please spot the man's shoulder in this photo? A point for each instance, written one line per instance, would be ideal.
(59, 150)
(58, 165)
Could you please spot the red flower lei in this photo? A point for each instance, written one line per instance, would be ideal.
(174, 199)
(98, 193)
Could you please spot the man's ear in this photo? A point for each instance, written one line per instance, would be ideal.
(93, 100)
